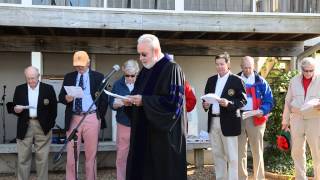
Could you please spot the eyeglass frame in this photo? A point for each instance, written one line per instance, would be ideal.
(308, 71)
(128, 75)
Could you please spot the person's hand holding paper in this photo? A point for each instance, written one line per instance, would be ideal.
(247, 114)
(317, 106)
(210, 98)
(74, 91)
(20, 108)
(115, 95)
(311, 105)
(117, 103)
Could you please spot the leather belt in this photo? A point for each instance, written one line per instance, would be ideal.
(244, 111)
(215, 115)
(83, 113)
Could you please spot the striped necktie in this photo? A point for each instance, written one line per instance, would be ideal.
(78, 101)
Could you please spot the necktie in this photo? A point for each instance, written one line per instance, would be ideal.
(78, 101)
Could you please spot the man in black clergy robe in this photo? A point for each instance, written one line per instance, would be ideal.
(155, 108)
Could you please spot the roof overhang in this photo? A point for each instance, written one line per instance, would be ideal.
(201, 27)
(159, 20)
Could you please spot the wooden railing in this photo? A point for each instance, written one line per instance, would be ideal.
(288, 6)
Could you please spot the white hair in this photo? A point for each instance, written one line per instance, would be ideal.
(131, 65)
(249, 59)
(308, 61)
(150, 39)
(31, 69)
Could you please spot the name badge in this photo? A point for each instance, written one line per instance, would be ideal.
(231, 92)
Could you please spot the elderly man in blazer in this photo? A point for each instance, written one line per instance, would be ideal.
(224, 119)
(36, 107)
(90, 81)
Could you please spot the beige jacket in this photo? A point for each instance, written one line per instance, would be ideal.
(295, 100)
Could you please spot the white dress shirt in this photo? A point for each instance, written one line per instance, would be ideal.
(130, 86)
(248, 81)
(221, 82)
(33, 95)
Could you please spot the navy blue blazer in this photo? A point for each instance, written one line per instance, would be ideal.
(120, 87)
(46, 108)
(96, 78)
(234, 91)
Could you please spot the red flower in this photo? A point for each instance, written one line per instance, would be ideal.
(282, 143)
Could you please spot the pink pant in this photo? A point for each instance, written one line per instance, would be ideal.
(89, 131)
(123, 142)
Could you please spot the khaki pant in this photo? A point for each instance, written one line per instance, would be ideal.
(302, 131)
(253, 134)
(41, 145)
(225, 152)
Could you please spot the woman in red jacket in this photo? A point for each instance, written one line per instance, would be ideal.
(190, 97)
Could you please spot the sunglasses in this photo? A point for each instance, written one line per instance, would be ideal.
(306, 71)
(127, 75)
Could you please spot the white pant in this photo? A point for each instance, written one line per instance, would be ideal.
(225, 152)
(302, 131)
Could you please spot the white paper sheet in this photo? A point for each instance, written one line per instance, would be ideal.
(24, 107)
(248, 114)
(74, 91)
(210, 98)
(308, 106)
(115, 95)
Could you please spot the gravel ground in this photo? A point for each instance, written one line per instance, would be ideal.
(206, 173)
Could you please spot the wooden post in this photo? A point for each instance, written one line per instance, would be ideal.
(26, 2)
(93, 61)
(179, 5)
(37, 61)
(198, 158)
(293, 63)
(254, 5)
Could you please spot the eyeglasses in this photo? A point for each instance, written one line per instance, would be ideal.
(127, 75)
(306, 71)
(143, 54)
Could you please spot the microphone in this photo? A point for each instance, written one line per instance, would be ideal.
(115, 68)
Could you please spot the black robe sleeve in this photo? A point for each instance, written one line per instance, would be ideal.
(164, 109)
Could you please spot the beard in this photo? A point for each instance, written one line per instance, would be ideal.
(150, 65)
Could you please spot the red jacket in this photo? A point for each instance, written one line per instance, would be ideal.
(190, 97)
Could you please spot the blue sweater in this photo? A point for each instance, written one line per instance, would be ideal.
(120, 87)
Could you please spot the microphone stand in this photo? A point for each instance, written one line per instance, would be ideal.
(73, 136)
(3, 113)
(75, 154)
